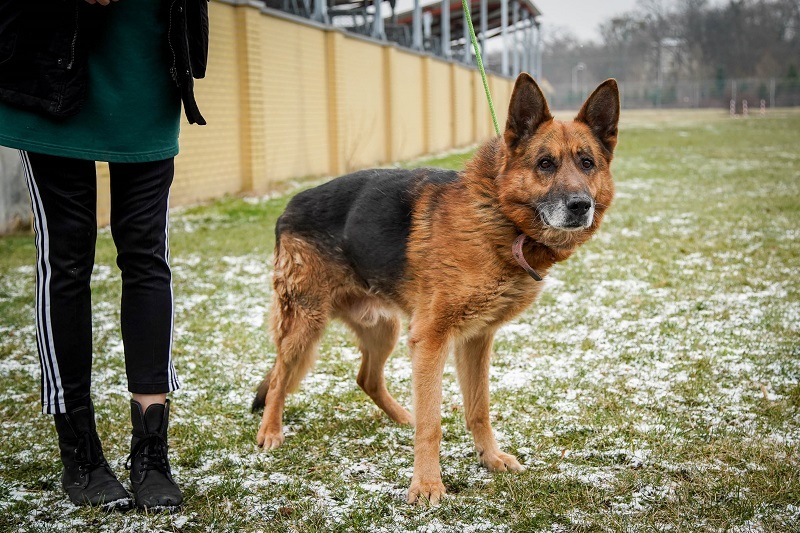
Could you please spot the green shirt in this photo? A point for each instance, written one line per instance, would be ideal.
(132, 109)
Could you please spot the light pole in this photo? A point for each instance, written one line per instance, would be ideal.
(575, 69)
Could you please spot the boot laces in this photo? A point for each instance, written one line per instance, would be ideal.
(153, 451)
(87, 455)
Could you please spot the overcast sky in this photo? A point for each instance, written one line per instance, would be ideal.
(581, 17)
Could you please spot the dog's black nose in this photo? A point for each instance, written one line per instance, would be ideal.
(579, 205)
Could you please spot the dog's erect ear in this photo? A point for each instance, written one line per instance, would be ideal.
(526, 112)
(601, 113)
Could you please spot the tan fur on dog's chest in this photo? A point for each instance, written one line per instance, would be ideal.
(469, 297)
(488, 309)
(464, 275)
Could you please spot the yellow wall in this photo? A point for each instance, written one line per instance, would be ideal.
(462, 98)
(406, 90)
(362, 106)
(501, 94)
(209, 163)
(481, 116)
(440, 105)
(294, 83)
(287, 98)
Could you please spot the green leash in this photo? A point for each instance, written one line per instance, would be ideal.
(480, 65)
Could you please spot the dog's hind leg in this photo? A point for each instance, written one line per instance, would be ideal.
(297, 335)
(376, 342)
(300, 311)
(472, 365)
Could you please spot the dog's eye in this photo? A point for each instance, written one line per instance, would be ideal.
(587, 163)
(546, 164)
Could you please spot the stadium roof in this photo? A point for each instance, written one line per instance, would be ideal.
(494, 8)
(396, 23)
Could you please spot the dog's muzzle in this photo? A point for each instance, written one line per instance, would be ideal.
(572, 212)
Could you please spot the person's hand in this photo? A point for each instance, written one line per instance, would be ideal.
(101, 2)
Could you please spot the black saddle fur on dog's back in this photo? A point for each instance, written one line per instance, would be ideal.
(363, 218)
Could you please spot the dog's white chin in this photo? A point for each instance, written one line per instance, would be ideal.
(568, 229)
(560, 237)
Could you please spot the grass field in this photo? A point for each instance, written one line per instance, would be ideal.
(655, 386)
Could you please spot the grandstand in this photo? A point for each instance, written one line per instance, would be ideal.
(438, 27)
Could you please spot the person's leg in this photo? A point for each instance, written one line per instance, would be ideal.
(139, 225)
(139, 220)
(146, 400)
(63, 198)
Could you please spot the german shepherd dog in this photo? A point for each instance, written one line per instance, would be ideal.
(449, 250)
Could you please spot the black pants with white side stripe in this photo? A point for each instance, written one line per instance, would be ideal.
(64, 200)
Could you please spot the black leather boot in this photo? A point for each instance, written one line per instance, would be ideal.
(87, 478)
(151, 477)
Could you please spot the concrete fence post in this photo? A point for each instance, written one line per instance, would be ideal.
(453, 106)
(388, 82)
(15, 206)
(426, 103)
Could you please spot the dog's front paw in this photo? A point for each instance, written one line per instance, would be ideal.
(269, 440)
(421, 491)
(498, 461)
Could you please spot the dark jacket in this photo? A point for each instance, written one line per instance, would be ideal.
(44, 55)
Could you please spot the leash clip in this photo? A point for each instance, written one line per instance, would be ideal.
(516, 251)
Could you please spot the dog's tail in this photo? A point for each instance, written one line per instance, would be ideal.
(261, 396)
